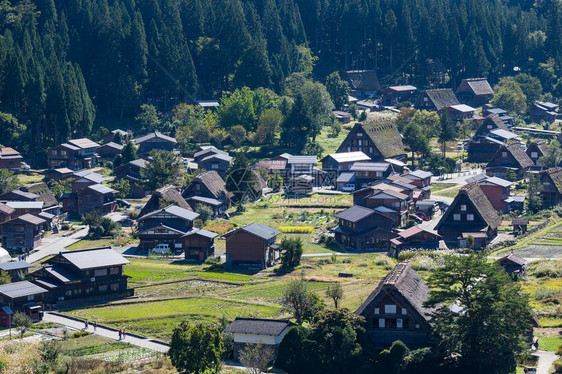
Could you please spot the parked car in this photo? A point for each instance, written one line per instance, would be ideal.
(350, 187)
(161, 248)
(127, 222)
(423, 216)
(25, 166)
(123, 203)
(442, 205)
(415, 218)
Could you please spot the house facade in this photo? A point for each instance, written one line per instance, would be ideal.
(551, 182)
(497, 190)
(23, 233)
(75, 154)
(10, 158)
(109, 151)
(363, 228)
(395, 310)
(24, 297)
(536, 150)
(399, 94)
(252, 246)
(415, 237)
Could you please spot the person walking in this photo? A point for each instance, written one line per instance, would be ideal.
(86, 324)
(120, 334)
(124, 334)
(95, 326)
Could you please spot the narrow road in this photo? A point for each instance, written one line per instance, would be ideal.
(72, 324)
(546, 359)
(56, 245)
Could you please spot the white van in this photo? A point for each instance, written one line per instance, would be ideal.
(161, 248)
(350, 187)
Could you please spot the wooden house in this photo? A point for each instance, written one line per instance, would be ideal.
(551, 181)
(475, 92)
(24, 297)
(154, 140)
(497, 190)
(59, 174)
(199, 244)
(111, 136)
(399, 94)
(162, 197)
(488, 138)
(362, 229)
(543, 112)
(252, 246)
(419, 178)
(23, 232)
(470, 214)
(378, 139)
(415, 237)
(17, 270)
(208, 188)
(367, 172)
(513, 265)
(519, 225)
(131, 171)
(86, 273)
(267, 332)
(342, 117)
(337, 163)
(395, 202)
(109, 151)
(75, 154)
(460, 112)
(165, 226)
(10, 158)
(509, 157)
(536, 150)
(25, 207)
(395, 309)
(6, 214)
(18, 195)
(363, 82)
(504, 116)
(436, 100)
(96, 197)
(218, 162)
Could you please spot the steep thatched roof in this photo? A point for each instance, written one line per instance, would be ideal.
(401, 281)
(555, 175)
(479, 201)
(478, 86)
(491, 122)
(385, 136)
(442, 98)
(365, 80)
(521, 158)
(162, 197)
(42, 190)
(214, 183)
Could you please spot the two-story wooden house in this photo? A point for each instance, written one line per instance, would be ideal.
(109, 151)
(511, 156)
(199, 244)
(475, 92)
(75, 154)
(337, 163)
(470, 214)
(551, 182)
(488, 138)
(252, 246)
(419, 178)
(17, 270)
(497, 190)
(154, 140)
(367, 172)
(24, 297)
(131, 171)
(378, 139)
(415, 237)
(397, 204)
(395, 309)
(208, 188)
(436, 100)
(23, 232)
(10, 158)
(363, 228)
(83, 274)
(165, 226)
(543, 112)
(460, 112)
(96, 197)
(211, 158)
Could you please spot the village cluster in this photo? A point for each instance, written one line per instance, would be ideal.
(393, 207)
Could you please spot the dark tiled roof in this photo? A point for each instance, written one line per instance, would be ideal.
(442, 98)
(206, 150)
(42, 190)
(30, 218)
(370, 166)
(519, 221)
(94, 258)
(21, 289)
(100, 188)
(404, 281)
(258, 326)
(355, 213)
(111, 145)
(19, 196)
(385, 136)
(202, 232)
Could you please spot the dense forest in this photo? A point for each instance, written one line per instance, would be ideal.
(62, 63)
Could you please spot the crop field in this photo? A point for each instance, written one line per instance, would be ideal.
(544, 243)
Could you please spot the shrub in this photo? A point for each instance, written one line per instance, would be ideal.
(133, 214)
(544, 293)
(551, 269)
(213, 261)
(79, 334)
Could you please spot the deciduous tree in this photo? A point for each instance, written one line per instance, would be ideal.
(196, 348)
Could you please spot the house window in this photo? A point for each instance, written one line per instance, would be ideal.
(404, 311)
(114, 286)
(114, 270)
(30, 297)
(370, 149)
(102, 288)
(359, 134)
(349, 149)
(360, 142)
(470, 217)
(399, 323)
(63, 152)
(381, 323)
(377, 311)
(463, 208)
(504, 154)
(456, 217)
(100, 272)
(19, 228)
(214, 165)
(390, 309)
(534, 155)
(54, 152)
(417, 325)
(489, 127)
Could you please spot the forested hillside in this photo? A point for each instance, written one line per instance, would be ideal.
(63, 62)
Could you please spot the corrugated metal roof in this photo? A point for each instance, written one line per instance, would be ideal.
(83, 143)
(15, 265)
(94, 258)
(258, 326)
(21, 289)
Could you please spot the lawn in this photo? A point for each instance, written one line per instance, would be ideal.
(550, 343)
(331, 143)
(87, 243)
(451, 192)
(436, 187)
(90, 345)
(30, 178)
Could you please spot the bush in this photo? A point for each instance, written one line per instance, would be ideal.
(550, 269)
(79, 334)
(133, 214)
(544, 293)
(213, 261)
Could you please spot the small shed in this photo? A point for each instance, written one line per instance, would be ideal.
(519, 225)
(513, 265)
(267, 332)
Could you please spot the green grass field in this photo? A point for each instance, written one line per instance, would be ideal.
(550, 343)
(436, 187)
